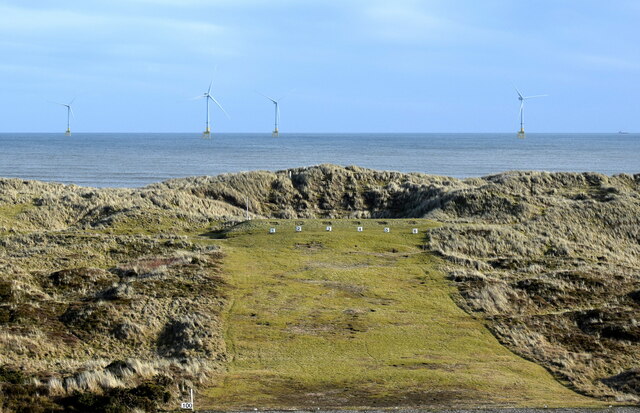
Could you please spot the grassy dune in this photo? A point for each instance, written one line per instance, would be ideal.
(112, 294)
(348, 319)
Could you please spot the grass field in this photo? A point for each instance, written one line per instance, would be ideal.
(358, 319)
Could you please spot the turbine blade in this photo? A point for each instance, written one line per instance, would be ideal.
(198, 97)
(534, 96)
(220, 106)
(518, 92)
(72, 100)
(209, 90)
(261, 94)
(72, 114)
(286, 94)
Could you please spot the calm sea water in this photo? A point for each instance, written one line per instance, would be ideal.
(132, 160)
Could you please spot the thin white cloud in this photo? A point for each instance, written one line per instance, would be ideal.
(35, 36)
(179, 3)
(187, 3)
(25, 21)
(396, 22)
(21, 20)
(605, 62)
(410, 22)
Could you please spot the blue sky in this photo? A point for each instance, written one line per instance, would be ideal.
(353, 65)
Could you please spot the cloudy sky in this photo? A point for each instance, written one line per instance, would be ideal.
(343, 65)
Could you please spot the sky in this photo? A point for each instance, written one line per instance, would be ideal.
(340, 65)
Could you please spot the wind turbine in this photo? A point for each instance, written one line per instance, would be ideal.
(275, 132)
(521, 98)
(69, 114)
(207, 95)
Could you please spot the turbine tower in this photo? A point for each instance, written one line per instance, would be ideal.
(521, 98)
(69, 115)
(275, 132)
(207, 95)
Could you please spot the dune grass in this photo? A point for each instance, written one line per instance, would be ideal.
(10, 216)
(349, 319)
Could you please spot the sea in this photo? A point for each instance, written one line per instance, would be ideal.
(139, 159)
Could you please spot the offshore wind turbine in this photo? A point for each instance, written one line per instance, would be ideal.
(275, 132)
(207, 95)
(69, 114)
(521, 98)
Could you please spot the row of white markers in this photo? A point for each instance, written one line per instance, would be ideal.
(272, 230)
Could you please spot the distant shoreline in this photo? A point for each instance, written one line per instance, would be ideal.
(285, 171)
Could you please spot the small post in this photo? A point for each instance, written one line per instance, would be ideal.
(415, 230)
(360, 229)
(188, 405)
(298, 228)
(387, 229)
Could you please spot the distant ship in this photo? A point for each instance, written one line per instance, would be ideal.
(622, 132)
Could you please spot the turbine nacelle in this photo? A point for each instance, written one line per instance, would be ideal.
(522, 98)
